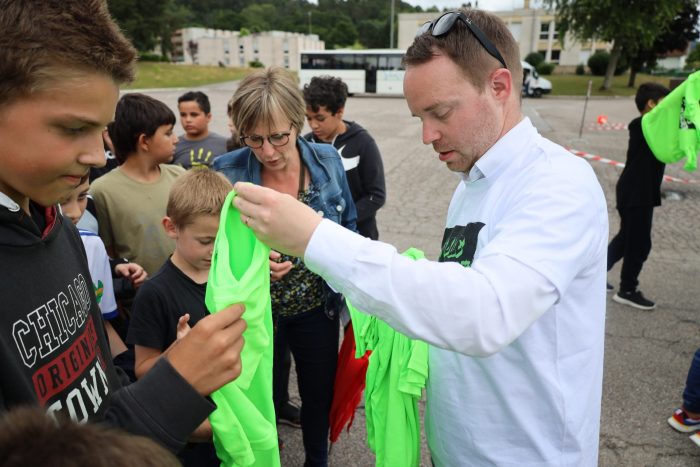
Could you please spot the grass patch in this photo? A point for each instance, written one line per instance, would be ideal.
(170, 75)
(577, 85)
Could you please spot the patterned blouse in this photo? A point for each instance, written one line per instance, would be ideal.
(300, 290)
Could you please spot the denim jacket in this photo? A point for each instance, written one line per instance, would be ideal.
(331, 197)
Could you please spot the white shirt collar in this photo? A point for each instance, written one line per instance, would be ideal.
(502, 152)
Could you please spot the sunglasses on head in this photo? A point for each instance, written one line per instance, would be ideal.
(444, 24)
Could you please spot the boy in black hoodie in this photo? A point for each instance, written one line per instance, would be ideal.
(61, 63)
(325, 98)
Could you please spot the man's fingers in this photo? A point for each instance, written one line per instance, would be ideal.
(252, 193)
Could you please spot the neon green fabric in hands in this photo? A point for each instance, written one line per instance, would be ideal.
(672, 128)
(244, 426)
(396, 377)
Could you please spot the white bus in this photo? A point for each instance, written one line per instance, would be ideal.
(373, 71)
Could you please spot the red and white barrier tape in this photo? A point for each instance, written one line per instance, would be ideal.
(606, 126)
(604, 160)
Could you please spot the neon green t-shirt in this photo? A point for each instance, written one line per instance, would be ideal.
(244, 425)
(396, 376)
(672, 128)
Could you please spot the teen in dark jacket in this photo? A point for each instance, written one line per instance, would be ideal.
(325, 98)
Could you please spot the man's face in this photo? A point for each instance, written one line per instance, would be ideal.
(194, 121)
(51, 139)
(324, 124)
(460, 123)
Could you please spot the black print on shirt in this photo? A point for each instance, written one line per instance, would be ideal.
(459, 243)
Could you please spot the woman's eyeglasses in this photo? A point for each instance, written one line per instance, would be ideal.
(444, 24)
(257, 141)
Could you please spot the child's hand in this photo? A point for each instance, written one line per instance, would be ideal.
(278, 270)
(182, 326)
(132, 271)
(209, 356)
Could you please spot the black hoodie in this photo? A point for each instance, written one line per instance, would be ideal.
(53, 349)
(365, 173)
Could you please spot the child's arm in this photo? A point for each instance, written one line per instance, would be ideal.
(116, 344)
(146, 357)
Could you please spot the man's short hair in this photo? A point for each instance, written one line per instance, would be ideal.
(200, 98)
(201, 191)
(460, 45)
(647, 91)
(326, 91)
(265, 94)
(136, 115)
(28, 436)
(42, 42)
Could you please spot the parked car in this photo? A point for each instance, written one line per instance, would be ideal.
(533, 84)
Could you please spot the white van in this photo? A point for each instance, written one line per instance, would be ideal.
(533, 84)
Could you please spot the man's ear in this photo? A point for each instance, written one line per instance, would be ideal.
(501, 84)
(341, 112)
(209, 117)
(170, 228)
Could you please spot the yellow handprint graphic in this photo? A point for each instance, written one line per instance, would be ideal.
(199, 158)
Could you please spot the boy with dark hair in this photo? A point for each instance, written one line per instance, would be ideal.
(198, 146)
(638, 192)
(192, 221)
(131, 199)
(325, 98)
(59, 87)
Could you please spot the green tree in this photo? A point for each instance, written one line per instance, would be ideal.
(678, 34)
(258, 17)
(343, 32)
(629, 25)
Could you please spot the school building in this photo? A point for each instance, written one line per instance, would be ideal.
(533, 28)
(205, 46)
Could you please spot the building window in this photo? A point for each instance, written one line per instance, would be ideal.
(544, 31)
(555, 56)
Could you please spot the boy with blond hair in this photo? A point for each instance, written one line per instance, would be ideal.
(59, 84)
(192, 220)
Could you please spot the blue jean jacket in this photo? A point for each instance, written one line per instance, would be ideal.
(330, 197)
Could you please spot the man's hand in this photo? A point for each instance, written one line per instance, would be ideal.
(209, 355)
(278, 269)
(132, 271)
(278, 220)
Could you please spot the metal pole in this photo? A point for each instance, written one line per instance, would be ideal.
(585, 106)
(391, 27)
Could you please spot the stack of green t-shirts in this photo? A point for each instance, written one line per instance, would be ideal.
(396, 376)
(245, 431)
(672, 128)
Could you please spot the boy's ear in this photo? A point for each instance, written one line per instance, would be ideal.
(209, 117)
(142, 142)
(340, 112)
(170, 228)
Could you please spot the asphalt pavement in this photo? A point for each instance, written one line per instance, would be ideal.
(647, 352)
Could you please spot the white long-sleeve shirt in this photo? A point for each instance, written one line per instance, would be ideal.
(515, 311)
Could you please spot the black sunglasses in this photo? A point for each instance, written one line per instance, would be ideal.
(444, 24)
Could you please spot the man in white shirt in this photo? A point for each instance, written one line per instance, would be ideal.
(514, 309)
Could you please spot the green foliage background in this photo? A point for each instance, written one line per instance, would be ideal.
(340, 23)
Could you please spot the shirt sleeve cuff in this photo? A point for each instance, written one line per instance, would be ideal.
(331, 252)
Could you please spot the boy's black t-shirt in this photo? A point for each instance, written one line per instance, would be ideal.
(160, 302)
(640, 181)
